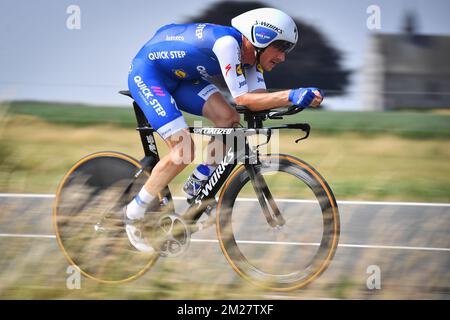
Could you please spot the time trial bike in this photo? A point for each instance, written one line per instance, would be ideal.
(276, 218)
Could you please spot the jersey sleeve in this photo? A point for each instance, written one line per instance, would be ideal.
(228, 53)
(255, 78)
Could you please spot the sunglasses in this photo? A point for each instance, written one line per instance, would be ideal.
(283, 46)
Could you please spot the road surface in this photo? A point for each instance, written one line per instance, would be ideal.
(405, 245)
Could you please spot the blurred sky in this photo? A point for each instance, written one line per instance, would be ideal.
(40, 58)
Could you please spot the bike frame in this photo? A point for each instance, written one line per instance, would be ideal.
(233, 155)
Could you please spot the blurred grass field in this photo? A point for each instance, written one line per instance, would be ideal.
(400, 156)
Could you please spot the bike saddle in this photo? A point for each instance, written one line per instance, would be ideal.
(126, 93)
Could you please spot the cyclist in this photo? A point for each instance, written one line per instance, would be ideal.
(173, 71)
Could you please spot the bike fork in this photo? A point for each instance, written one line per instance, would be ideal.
(265, 198)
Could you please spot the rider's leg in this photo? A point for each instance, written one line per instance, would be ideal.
(180, 156)
(151, 90)
(202, 98)
(218, 110)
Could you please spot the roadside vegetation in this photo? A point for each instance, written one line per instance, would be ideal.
(402, 156)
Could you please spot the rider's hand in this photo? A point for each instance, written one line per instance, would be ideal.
(305, 97)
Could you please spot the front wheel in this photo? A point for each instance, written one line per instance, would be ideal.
(291, 254)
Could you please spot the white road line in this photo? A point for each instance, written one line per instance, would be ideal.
(49, 236)
(376, 203)
(19, 235)
(26, 195)
(340, 245)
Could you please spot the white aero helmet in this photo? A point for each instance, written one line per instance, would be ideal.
(264, 26)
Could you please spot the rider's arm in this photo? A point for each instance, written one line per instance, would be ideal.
(258, 98)
(301, 97)
(228, 54)
(258, 101)
(255, 78)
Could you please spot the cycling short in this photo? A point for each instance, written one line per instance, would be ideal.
(160, 97)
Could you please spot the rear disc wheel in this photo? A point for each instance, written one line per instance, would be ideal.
(88, 219)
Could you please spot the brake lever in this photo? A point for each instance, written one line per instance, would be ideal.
(268, 136)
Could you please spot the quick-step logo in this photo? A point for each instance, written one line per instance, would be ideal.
(167, 55)
(203, 72)
(148, 97)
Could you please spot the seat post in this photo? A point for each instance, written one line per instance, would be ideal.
(140, 117)
(147, 138)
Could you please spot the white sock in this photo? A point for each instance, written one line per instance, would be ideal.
(136, 208)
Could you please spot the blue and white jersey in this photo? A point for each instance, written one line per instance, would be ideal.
(201, 50)
(172, 72)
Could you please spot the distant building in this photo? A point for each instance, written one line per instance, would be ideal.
(404, 71)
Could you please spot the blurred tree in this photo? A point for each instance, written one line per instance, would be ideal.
(313, 62)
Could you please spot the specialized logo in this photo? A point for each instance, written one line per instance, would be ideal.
(215, 176)
(213, 130)
(174, 38)
(270, 26)
(199, 30)
(148, 97)
(227, 68)
(180, 73)
(166, 55)
(264, 35)
(239, 71)
(259, 68)
(203, 72)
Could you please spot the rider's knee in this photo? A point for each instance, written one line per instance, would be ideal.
(229, 119)
(235, 119)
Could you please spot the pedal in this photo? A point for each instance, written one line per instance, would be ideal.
(171, 235)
